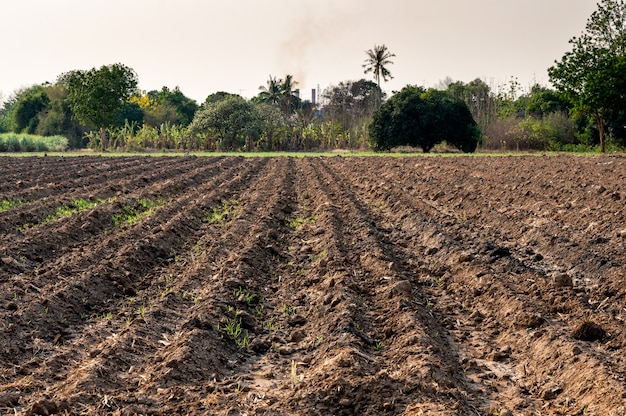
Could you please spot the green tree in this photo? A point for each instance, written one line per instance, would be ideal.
(170, 106)
(352, 104)
(270, 93)
(280, 92)
(274, 128)
(397, 123)
(218, 96)
(377, 61)
(289, 100)
(230, 124)
(57, 118)
(352, 99)
(447, 118)
(25, 112)
(543, 101)
(5, 114)
(593, 74)
(479, 99)
(129, 113)
(419, 118)
(97, 95)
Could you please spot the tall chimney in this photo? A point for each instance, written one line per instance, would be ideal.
(313, 96)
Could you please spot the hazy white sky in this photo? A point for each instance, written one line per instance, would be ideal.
(205, 46)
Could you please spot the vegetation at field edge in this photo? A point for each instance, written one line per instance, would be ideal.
(103, 109)
(13, 142)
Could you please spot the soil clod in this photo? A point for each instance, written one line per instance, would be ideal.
(589, 331)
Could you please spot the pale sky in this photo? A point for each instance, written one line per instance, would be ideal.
(205, 46)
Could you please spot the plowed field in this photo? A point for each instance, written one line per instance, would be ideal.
(313, 286)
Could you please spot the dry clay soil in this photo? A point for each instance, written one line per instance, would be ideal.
(313, 286)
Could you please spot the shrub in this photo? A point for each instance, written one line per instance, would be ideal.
(12, 142)
(551, 132)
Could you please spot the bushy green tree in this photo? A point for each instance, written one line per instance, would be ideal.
(97, 96)
(218, 96)
(43, 110)
(57, 118)
(593, 74)
(543, 101)
(274, 128)
(170, 106)
(230, 124)
(5, 115)
(352, 99)
(129, 113)
(420, 118)
(25, 112)
(448, 119)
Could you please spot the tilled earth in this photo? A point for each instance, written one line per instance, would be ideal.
(313, 286)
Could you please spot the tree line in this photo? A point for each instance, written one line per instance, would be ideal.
(103, 109)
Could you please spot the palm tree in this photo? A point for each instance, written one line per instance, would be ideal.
(376, 62)
(272, 94)
(280, 92)
(288, 93)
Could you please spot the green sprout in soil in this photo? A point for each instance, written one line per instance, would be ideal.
(223, 214)
(75, 206)
(294, 374)
(63, 211)
(133, 213)
(299, 221)
(7, 204)
(232, 327)
(289, 310)
(244, 341)
(142, 311)
(271, 325)
(246, 294)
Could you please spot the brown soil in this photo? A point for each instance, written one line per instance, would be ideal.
(314, 286)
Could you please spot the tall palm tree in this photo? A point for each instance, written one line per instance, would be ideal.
(272, 93)
(288, 93)
(377, 61)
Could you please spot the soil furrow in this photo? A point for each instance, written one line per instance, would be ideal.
(389, 271)
(51, 175)
(234, 292)
(496, 287)
(119, 260)
(54, 237)
(147, 175)
(162, 327)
